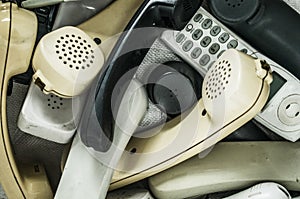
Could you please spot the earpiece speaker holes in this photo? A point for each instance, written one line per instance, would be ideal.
(76, 46)
(218, 77)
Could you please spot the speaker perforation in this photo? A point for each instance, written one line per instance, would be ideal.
(70, 49)
(218, 78)
(54, 102)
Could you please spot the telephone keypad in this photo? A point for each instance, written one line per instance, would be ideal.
(204, 40)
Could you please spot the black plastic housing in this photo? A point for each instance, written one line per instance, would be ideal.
(270, 26)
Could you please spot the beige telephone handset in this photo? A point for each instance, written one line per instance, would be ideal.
(66, 61)
(234, 90)
(17, 38)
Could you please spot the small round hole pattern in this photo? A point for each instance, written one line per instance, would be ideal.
(218, 79)
(74, 51)
(54, 102)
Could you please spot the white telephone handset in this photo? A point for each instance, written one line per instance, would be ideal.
(263, 191)
(234, 91)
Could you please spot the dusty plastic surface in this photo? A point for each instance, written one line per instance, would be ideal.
(47, 116)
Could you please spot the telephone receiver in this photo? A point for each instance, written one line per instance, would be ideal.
(234, 90)
(66, 61)
(133, 105)
(263, 191)
(257, 22)
(17, 38)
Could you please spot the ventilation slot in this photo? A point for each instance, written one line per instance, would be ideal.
(74, 52)
(218, 79)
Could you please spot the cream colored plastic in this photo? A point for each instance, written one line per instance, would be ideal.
(95, 173)
(231, 166)
(244, 89)
(66, 61)
(35, 180)
(130, 193)
(112, 20)
(17, 38)
(265, 190)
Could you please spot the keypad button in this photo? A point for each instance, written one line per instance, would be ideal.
(204, 60)
(187, 45)
(215, 30)
(224, 37)
(207, 23)
(232, 44)
(244, 50)
(205, 41)
(196, 53)
(214, 48)
(219, 55)
(179, 38)
(197, 34)
(198, 17)
(189, 27)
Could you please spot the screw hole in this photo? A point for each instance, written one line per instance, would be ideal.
(133, 150)
(204, 112)
(97, 40)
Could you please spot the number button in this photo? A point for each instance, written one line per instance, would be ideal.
(197, 34)
(196, 53)
(179, 38)
(214, 48)
(204, 59)
(187, 45)
(207, 23)
(198, 17)
(189, 27)
(232, 44)
(205, 41)
(224, 37)
(215, 30)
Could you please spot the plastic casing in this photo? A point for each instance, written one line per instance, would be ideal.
(270, 26)
(66, 61)
(212, 119)
(47, 116)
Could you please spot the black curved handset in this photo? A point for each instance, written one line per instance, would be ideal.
(271, 26)
(174, 87)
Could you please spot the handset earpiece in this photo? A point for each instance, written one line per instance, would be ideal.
(233, 92)
(261, 23)
(66, 61)
(174, 87)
